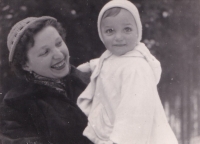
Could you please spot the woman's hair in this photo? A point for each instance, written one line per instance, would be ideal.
(111, 12)
(27, 41)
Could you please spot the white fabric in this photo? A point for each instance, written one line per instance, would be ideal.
(153, 62)
(126, 5)
(122, 102)
(88, 66)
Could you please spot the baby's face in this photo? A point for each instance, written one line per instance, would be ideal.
(119, 32)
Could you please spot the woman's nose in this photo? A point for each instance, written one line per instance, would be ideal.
(57, 54)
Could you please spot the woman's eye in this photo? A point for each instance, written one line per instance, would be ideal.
(109, 31)
(44, 53)
(58, 44)
(128, 29)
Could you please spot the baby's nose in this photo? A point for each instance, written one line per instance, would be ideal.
(119, 37)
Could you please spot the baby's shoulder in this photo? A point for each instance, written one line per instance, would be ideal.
(136, 62)
(135, 65)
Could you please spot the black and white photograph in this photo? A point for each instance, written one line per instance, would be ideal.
(99, 71)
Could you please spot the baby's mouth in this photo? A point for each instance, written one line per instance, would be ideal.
(119, 45)
(60, 65)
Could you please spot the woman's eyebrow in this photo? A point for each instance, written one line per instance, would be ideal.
(107, 25)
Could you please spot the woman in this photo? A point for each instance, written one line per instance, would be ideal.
(43, 109)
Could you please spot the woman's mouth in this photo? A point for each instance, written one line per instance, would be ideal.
(60, 65)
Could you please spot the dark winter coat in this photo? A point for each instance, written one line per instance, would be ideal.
(38, 114)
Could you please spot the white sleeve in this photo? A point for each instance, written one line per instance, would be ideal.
(134, 115)
(84, 101)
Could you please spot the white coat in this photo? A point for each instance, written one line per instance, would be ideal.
(122, 102)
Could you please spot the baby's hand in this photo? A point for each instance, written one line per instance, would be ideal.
(85, 67)
(94, 63)
(88, 66)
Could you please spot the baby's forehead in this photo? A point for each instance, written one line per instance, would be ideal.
(114, 11)
(118, 16)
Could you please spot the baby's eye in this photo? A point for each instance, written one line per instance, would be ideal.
(44, 53)
(109, 31)
(58, 44)
(128, 29)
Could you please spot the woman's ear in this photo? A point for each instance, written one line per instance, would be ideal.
(26, 68)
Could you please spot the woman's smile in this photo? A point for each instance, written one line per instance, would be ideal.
(60, 65)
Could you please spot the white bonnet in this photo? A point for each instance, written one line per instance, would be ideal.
(122, 4)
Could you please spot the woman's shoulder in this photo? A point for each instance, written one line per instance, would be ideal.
(20, 91)
(22, 94)
(15, 122)
(14, 102)
(84, 77)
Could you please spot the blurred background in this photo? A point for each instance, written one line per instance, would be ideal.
(171, 30)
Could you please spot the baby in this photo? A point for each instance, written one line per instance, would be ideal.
(121, 101)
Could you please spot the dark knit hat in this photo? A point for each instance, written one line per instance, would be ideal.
(17, 31)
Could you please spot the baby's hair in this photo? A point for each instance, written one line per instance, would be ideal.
(111, 12)
(27, 41)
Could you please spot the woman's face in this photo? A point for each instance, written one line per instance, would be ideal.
(49, 56)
